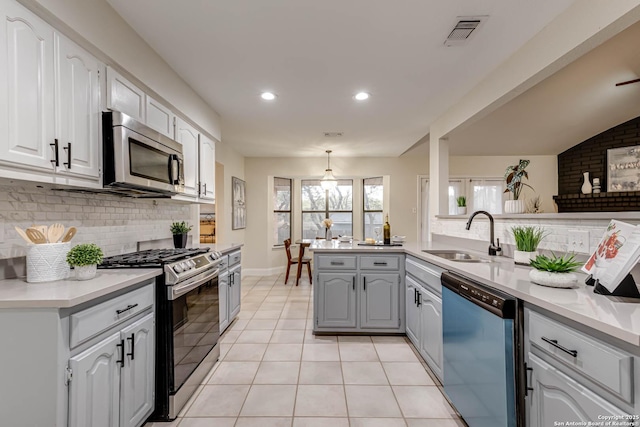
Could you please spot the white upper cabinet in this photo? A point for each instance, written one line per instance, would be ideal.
(188, 136)
(207, 168)
(27, 89)
(160, 117)
(124, 96)
(78, 105)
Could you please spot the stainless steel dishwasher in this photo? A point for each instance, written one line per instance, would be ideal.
(479, 352)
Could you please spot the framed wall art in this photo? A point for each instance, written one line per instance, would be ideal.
(623, 169)
(239, 215)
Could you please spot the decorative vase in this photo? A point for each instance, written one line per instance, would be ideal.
(85, 272)
(554, 280)
(524, 257)
(586, 185)
(328, 235)
(462, 210)
(180, 240)
(514, 206)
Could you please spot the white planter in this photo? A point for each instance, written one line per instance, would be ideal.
(85, 272)
(47, 262)
(523, 257)
(462, 210)
(554, 280)
(514, 206)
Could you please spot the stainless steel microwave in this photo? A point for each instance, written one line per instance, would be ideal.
(138, 160)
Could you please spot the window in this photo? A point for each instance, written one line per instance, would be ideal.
(456, 189)
(373, 192)
(318, 204)
(282, 209)
(486, 195)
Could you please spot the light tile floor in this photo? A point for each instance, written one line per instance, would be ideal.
(273, 372)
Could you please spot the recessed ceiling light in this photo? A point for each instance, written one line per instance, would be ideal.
(268, 96)
(361, 96)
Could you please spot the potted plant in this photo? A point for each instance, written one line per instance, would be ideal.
(84, 259)
(513, 177)
(527, 240)
(462, 205)
(554, 271)
(179, 231)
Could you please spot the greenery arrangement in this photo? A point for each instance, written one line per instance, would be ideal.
(85, 254)
(513, 176)
(180, 228)
(556, 264)
(461, 201)
(528, 238)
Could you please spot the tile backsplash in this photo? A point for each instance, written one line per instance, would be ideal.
(114, 223)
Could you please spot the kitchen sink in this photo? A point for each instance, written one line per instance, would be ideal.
(457, 256)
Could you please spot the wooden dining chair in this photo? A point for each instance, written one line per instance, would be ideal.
(296, 260)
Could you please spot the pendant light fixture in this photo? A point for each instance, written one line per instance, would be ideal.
(328, 182)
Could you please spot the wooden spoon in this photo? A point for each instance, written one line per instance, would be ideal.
(36, 236)
(41, 228)
(55, 232)
(70, 233)
(22, 234)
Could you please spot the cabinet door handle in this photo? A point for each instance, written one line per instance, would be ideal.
(127, 308)
(133, 345)
(379, 263)
(68, 150)
(364, 282)
(554, 343)
(415, 296)
(353, 281)
(56, 158)
(121, 360)
(205, 189)
(527, 389)
(337, 262)
(419, 299)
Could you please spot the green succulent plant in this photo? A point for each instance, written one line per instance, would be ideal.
(528, 238)
(85, 254)
(180, 228)
(461, 201)
(555, 264)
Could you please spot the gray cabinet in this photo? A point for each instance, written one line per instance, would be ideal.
(424, 311)
(359, 293)
(229, 288)
(574, 376)
(379, 299)
(336, 302)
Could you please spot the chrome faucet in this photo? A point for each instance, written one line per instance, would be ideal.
(493, 249)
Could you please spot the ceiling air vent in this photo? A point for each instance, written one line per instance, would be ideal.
(332, 134)
(462, 30)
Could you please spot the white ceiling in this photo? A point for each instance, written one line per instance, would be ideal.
(317, 54)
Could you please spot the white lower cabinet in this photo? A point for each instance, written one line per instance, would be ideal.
(379, 299)
(557, 398)
(336, 300)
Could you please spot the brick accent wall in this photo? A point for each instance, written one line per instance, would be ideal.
(591, 156)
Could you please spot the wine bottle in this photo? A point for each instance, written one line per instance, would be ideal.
(387, 231)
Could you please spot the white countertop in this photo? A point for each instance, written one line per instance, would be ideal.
(225, 248)
(17, 293)
(610, 315)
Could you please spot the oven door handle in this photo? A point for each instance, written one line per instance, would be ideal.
(181, 289)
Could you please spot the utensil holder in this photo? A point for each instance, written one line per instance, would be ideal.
(47, 262)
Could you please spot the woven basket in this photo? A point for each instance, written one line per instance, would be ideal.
(47, 262)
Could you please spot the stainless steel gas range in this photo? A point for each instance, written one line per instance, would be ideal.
(187, 320)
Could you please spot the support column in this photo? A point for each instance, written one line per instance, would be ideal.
(438, 178)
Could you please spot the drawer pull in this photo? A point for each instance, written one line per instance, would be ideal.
(554, 343)
(129, 307)
(337, 262)
(379, 263)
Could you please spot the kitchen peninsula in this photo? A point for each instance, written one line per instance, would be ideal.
(577, 343)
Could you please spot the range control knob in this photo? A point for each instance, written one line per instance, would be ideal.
(185, 266)
(192, 263)
(177, 268)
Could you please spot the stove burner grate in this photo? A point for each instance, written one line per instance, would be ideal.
(150, 258)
